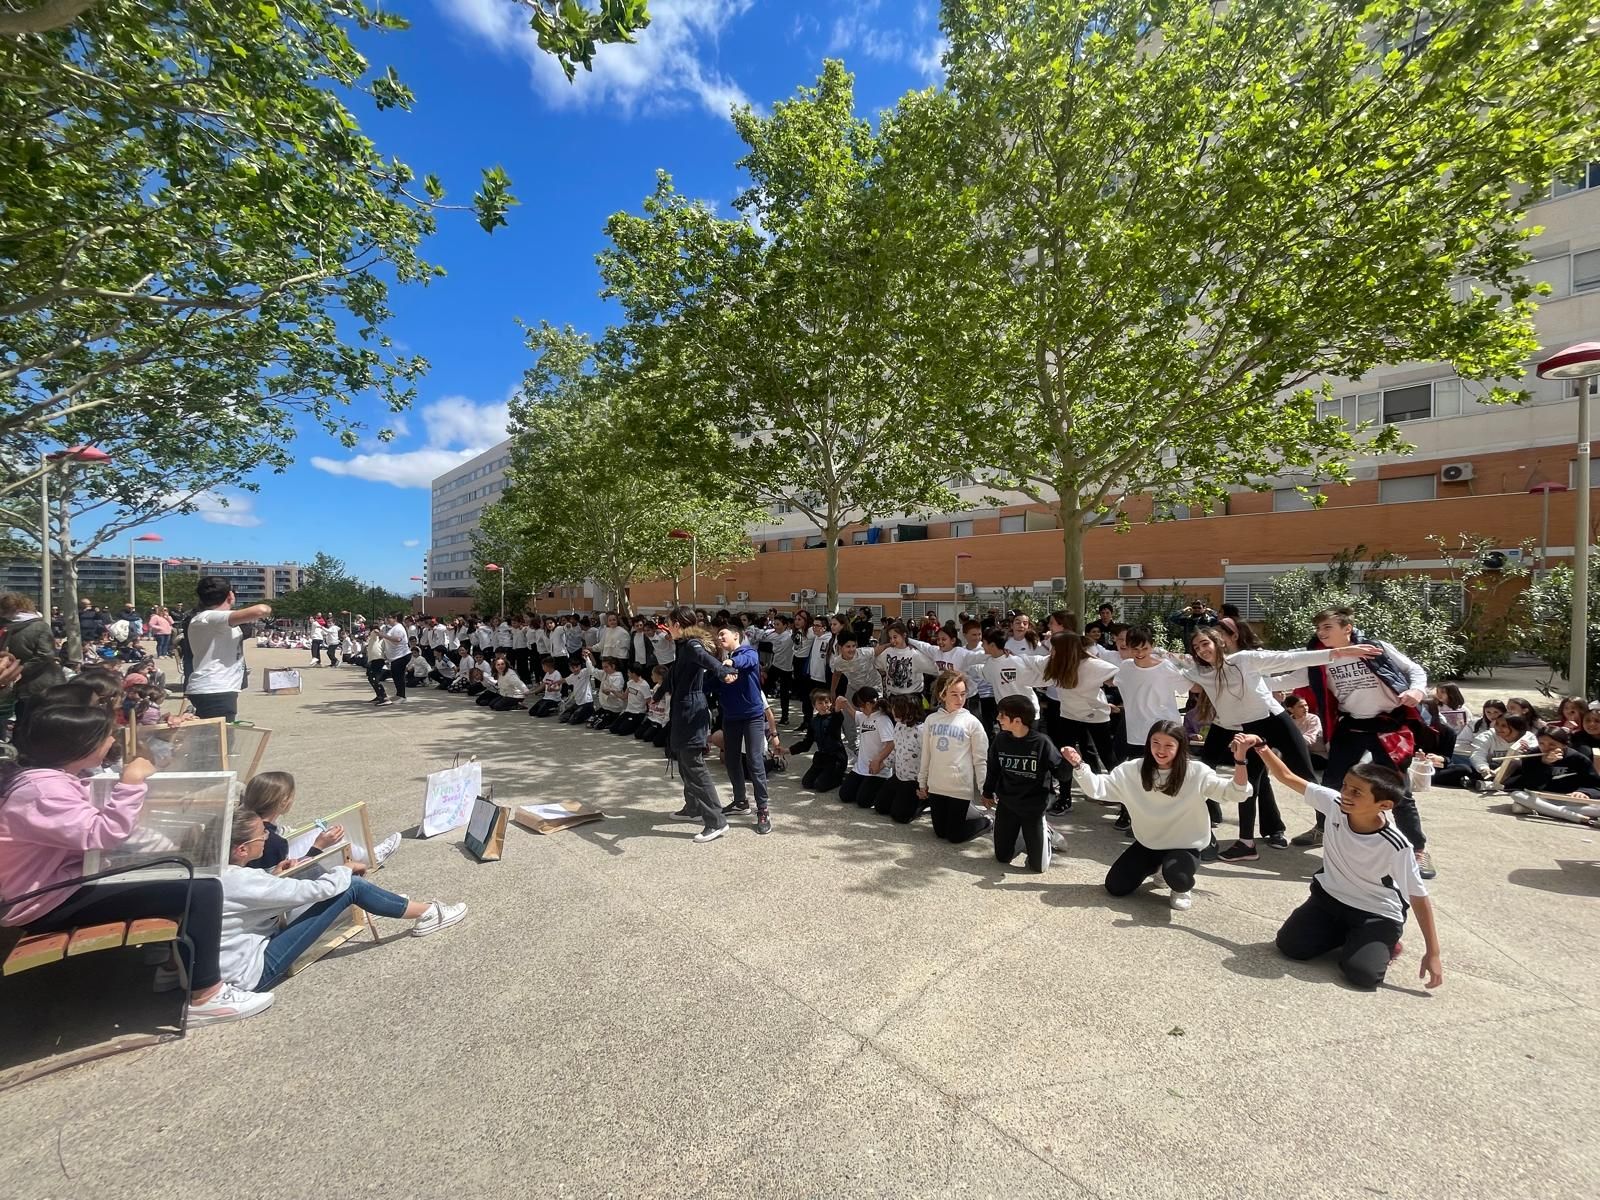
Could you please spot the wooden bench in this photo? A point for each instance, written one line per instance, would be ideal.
(42, 949)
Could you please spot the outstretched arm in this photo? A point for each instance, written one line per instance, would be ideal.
(1275, 765)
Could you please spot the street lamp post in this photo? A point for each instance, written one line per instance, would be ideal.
(694, 564)
(85, 455)
(1580, 362)
(143, 537)
(424, 594)
(501, 571)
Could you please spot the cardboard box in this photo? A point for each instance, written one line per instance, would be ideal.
(552, 818)
(284, 682)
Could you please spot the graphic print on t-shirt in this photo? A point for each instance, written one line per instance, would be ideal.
(1350, 678)
(900, 672)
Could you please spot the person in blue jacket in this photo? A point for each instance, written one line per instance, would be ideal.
(689, 725)
(744, 725)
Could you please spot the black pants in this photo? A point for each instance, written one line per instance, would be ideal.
(316, 654)
(904, 806)
(504, 704)
(655, 734)
(485, 698)
(397, 672)
(603, 717)
(113, 901)
(1138, 863)
(986, 709)
(699, 792)
(544, 708)
(577, 714)
(376, 673)
(1091, 740)
(1277, 731)
(1008, 823)
(825, 773)
(430, 656)
(1365, 941)
(522, 663)
(950, 819)
(626, 723)
(1352, 739)
(215, 704)
(801, 686)
(864, 791)
(782, 683)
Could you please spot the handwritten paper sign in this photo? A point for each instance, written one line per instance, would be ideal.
(448, 802)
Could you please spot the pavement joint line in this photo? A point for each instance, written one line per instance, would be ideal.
(865, 1042)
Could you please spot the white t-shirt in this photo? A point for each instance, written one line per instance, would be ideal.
(666, 648)
(396, 643)
(1148, 696)
(218, 650)
(1375, 872)
(611, 684)
(552, 685)
(874, 733)
(639, 692)
(318, 633)
(582, 681)
(657, 711)
(1013, 675)
(903, 669)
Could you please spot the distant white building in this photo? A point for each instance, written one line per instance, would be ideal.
(459, 498)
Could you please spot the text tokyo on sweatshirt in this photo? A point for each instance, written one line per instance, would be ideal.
(1019, 768)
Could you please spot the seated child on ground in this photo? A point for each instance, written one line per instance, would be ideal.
(1017, 784)
(259, 947)
(270, 796)
(874, 748)
(825, 737)
(550, 684)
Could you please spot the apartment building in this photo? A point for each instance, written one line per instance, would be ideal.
(252, 581)
(1502, 472)
(459, 497)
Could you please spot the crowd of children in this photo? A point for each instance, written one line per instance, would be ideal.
(988, 726)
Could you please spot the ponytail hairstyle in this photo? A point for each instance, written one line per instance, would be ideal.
(1067, 620)
(50, 736)
(1180, 762)
(1242, 633)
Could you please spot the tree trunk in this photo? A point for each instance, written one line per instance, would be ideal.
(830, 534)
(1071, 518)
(69, 575)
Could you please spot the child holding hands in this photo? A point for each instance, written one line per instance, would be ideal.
(1369, 879)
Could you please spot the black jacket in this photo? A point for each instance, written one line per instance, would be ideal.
(1574, 771)
(689, 725)
(91, 624)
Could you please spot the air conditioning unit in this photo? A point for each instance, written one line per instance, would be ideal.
(1130, 571)
(741, 596)
(1455, 472)
(908, 589)
(965, 589)
(808, 593)
(1058, 584)
(794, 597)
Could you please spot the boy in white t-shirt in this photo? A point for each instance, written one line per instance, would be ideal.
(550, 685)
(1369, 879)
(581, 681)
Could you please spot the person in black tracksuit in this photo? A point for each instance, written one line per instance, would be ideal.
(829, 762)
(689, 720)
(1017, 786)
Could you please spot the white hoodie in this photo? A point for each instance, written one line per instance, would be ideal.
(1162, 822)
(955, 755)
(253, 903)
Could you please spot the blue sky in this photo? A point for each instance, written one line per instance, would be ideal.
(576, 153)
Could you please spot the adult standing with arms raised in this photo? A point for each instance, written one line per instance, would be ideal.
(213, 665)
(689, 727)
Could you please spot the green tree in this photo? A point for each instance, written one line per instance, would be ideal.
(588, 497)
(328, 587)
(767, 353)
(1139, 238)
(1547, 631)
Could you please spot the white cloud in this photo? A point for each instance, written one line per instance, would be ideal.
(665, 68)
(215, 508)
(411, 543)
(920, 46)
(457, 429)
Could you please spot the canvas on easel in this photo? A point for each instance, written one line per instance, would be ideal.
(186, 814)
(357, 832)
(190, 748)
(353, 922)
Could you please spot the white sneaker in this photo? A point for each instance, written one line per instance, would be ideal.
(439, 916)
(710, 835)
(1182, 901)
(229, 1004)
(384, 850)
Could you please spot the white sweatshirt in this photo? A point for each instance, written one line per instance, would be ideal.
(1488, 749)
(1242, 694)
(903, 668)
(1148, 695)
(1015, 675)
(1087, 702)
(955, 755)
(511, 686)
(1162, 822)
(252, 903)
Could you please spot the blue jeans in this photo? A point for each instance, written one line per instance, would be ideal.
(289, 944)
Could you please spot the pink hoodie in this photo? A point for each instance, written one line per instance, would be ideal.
(47, 821)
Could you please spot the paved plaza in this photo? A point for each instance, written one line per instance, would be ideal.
(846, 1008)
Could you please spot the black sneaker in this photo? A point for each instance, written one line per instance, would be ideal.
(1209, 854)
(1238, 852)
(684, 814)
(1061, 806)
(763, 822)
(1123, 823)
(1425, 866)
(736, 806)
(1277, 841)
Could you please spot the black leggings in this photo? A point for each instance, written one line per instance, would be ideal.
(1365, 941)
(397, 672)
(159, 898)
(1279, 732)
(950, 819)
(904, 806)
(825, 773)
(1138, 863)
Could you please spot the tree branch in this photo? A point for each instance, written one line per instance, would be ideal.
(51, 14)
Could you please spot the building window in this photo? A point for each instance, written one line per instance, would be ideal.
(1572, 387)
(1578, 180)
(1369, 407)
(1407, 489)
(957, 482)
(1586, 271)
(960, 529)
(1413, 403)
(785, 544)
(1016, 524)
(1293, 499)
